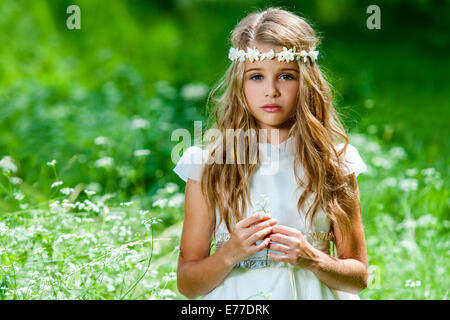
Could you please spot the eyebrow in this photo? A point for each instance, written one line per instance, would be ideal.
(283, 69)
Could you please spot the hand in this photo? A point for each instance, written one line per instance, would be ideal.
(242, 242)
(297, 250)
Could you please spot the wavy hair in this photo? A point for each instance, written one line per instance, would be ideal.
(316, 128)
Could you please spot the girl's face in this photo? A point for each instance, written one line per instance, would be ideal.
(271, 81)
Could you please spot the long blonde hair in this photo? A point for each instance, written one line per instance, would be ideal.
(315, 130)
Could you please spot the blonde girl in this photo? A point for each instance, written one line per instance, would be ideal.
(272, 220)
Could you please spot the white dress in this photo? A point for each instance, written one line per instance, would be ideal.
(260, 277)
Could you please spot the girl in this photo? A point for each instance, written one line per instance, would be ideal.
(277, 86)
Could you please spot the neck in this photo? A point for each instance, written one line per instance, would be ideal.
(275, 135)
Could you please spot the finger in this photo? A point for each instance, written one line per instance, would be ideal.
(277, 257)
(281, 238)
(278, 247)
(285, 230)
(263, 244)
(259, 235)
(261, 225)
(262, 219)
(244, 223)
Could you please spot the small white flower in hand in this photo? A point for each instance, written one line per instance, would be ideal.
(262, 208)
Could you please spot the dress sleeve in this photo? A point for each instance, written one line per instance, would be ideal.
(352, 161)
(190, 164)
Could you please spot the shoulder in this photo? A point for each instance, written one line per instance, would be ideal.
(351, 159)
(190, 165)
(192, 154)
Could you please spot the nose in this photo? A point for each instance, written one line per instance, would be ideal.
(271, 89)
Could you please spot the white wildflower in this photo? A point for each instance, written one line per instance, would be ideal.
(398, 152)
(166, 293)
(89, 192)
(428, 171)
(80, 205)
(412, 284)
(7, 165)
(113, 218)
(176, 200)
(61, 296)
(160, 203)
(66, 191)
(66, 204)
(23, 206)
(104, 162)
(91, 206)
(126, 204)
(141, 152)
(51, 163)
(15, 180)
(412, 172)
(389, 182)
(194, 91)
(408, 184)
(19, 196)
(151, 221)
(382, 162)
(171, 187)
(139, 123)
(101, 140)
(427, 221)
(3, 228)
(54, 205)
(409, 245)
(55, 184)
(170, 277)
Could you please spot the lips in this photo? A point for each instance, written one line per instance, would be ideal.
(271, 107)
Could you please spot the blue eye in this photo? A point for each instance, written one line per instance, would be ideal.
(256, 75)
(283, 75)
(288, 75)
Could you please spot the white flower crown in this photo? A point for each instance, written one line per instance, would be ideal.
(285, 55)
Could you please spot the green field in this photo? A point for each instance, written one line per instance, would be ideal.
(103, 220)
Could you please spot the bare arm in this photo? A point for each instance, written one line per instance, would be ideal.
(198, 272)
(350, 271)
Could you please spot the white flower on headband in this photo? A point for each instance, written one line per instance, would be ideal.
(241, 55)
(269, 55)
(252, 54)
(313, 54)
(236, 54)
(232, 55)
(303, 54)
(285, 55)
